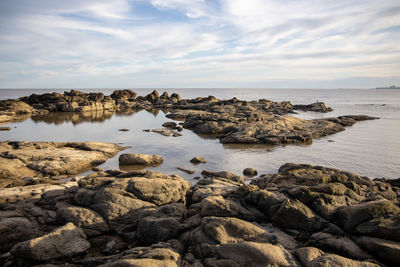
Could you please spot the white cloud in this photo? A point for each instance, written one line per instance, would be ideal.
(213, 41)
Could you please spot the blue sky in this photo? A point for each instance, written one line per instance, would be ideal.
(199, 43)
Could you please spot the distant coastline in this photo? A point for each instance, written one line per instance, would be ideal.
(389, 87)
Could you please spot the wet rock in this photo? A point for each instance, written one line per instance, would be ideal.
(5, 128)
(186, 170)
(140, 159)
(164, 132)
(65, 241)
(250, 172)
(198, 160)
(123, 130)
(223, 174)
(170, 124)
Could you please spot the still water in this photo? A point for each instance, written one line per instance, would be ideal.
(370, 148)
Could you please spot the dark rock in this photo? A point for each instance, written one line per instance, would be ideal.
(198, 160)
(250, 172)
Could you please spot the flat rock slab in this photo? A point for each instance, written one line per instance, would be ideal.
(140, 159)
(30, 159)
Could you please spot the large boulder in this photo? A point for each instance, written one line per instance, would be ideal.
(159, 190)
(66, 241)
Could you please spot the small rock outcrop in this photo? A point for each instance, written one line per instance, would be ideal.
(140, 159)
(38, 159)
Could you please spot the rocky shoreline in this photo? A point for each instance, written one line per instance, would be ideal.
(301, 216)
(232, 121)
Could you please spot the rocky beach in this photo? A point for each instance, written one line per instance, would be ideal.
(302, 215)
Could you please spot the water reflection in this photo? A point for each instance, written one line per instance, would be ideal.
(100, 116)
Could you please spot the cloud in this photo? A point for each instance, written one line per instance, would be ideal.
(194, 43)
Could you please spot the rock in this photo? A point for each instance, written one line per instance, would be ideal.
(198, 160)
(90, 221)
(140, 159)
(176, 134)
(123, 130)
(5, 128)
(30, 159)
(310, 256)
(159, 190)
(66, 241)
(233, 230)
(170, 124)
(250, 172)
(164, 132)
(152, 230)
(123, 95)
(186, 170)
(257, 254)
(385, 250)
(316, 107)
(350, 217)
(141, 263)
(223, 174)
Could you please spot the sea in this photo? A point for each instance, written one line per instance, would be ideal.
(368, 148)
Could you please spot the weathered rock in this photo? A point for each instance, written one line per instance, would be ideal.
(257, 254)
(313, 257)
(21, 159)
(90, 221)
(159, 190)
(65, 241)
(5, 128)
(170, 124)
(385, 250)
(140, 159)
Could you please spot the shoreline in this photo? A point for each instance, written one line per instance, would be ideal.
(303, 215)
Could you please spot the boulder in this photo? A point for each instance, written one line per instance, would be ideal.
(385, 250)
(159, 190)
(255, 254)
(66, 241)
(90, 221)
(140, 159)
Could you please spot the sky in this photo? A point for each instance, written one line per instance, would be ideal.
(199, 43)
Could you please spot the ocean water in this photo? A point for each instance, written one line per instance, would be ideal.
(369, 148)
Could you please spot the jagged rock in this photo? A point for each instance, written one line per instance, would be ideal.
(65, 241)
(140, 159)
